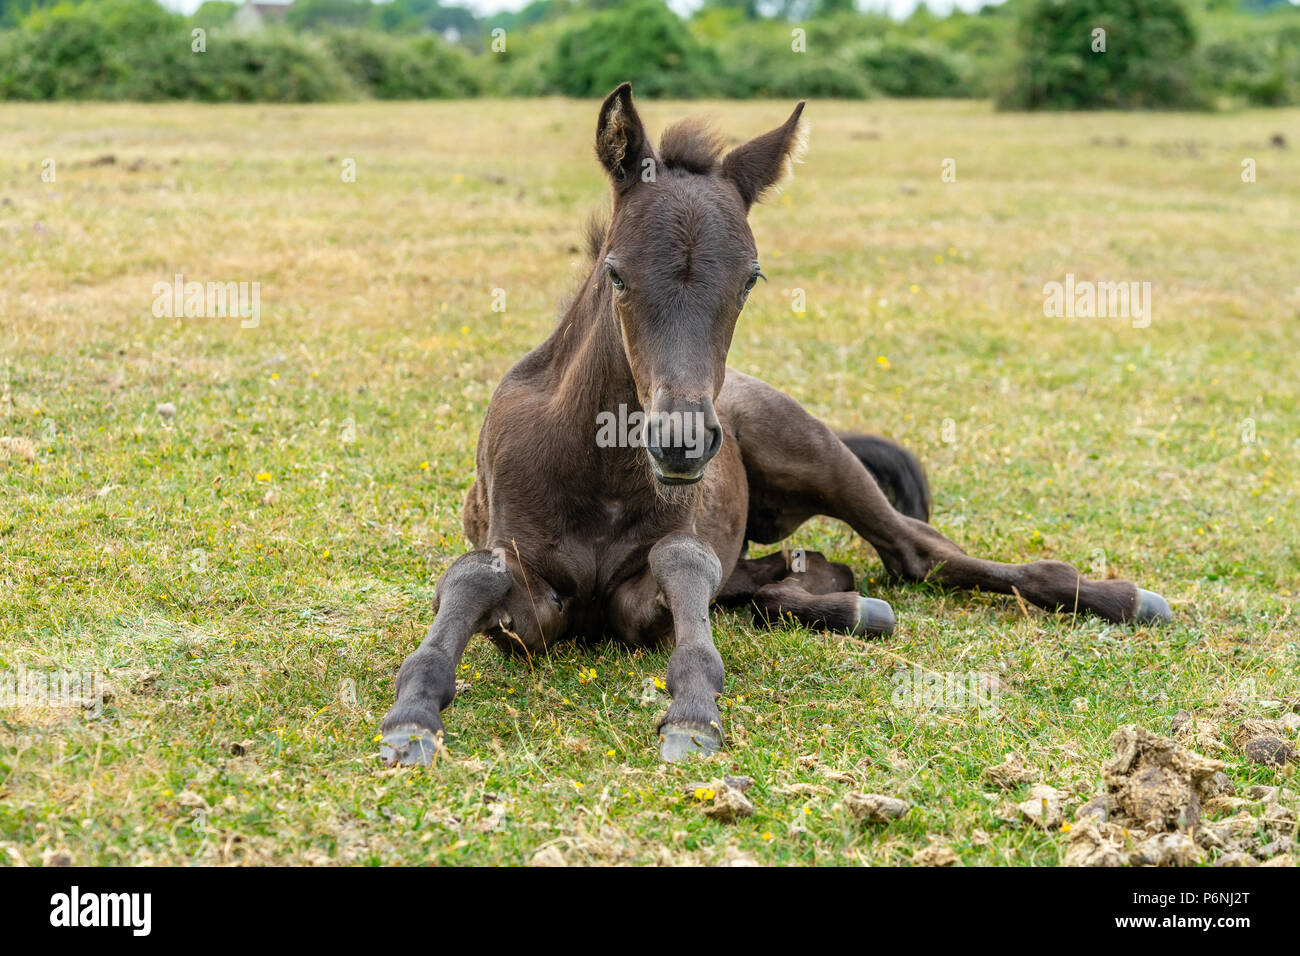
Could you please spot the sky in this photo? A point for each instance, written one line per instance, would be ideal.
(898, 8)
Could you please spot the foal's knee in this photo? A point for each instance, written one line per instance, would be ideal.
(681, 562)
(476, 579)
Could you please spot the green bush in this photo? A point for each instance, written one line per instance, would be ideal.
(328, 14)
(1255, 61)
(214, 13)
(832, 77)
(274, 66)
(135, 50)
(403, 68)
(1031, 54)
(1147, 63)
(1240, 68)
(643, 42)
(80, 51)
(909, 68)
(759, 60)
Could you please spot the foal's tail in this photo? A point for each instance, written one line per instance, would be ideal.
(897, 472)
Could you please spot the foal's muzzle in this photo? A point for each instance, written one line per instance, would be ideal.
(681, 438)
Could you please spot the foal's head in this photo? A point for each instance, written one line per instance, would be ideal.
(679, 260)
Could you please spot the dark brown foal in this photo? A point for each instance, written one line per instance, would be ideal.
(622, 467)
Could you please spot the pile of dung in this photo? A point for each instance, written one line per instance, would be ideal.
(1152, 813)
(1009, 774)
(1155, 782)
(724, 799)
(875, 807)
(1265, 741)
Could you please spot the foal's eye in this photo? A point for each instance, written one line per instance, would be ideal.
(615, 279)
(753, 280)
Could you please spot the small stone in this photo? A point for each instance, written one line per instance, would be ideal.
(1236, 859)
(166, 410)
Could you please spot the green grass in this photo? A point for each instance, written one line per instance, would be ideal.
(238, 619)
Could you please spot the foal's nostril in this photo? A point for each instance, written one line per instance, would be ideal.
(681, 437)
(715, 441)
(652, 438)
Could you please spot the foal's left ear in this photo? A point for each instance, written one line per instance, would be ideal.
(766, 160)
(621, 143)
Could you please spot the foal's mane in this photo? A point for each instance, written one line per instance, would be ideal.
(693, 144)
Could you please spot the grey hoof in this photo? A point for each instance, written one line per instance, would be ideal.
(874, 617)
(411, 745)
(1151, 609)
(677, 742)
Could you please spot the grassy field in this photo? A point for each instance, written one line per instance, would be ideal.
(249, 572)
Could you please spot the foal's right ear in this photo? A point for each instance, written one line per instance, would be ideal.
(621, 143)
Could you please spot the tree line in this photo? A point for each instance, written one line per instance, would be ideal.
(1024, 54)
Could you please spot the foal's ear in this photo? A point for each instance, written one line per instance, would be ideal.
(766, 160)
(621, 142)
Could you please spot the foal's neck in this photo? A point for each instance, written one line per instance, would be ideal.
(587, 356)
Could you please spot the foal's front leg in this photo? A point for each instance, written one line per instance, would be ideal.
(468, 599)
(688, 576)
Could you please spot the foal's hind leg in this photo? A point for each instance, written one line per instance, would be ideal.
(809, 588)
(797, 468)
